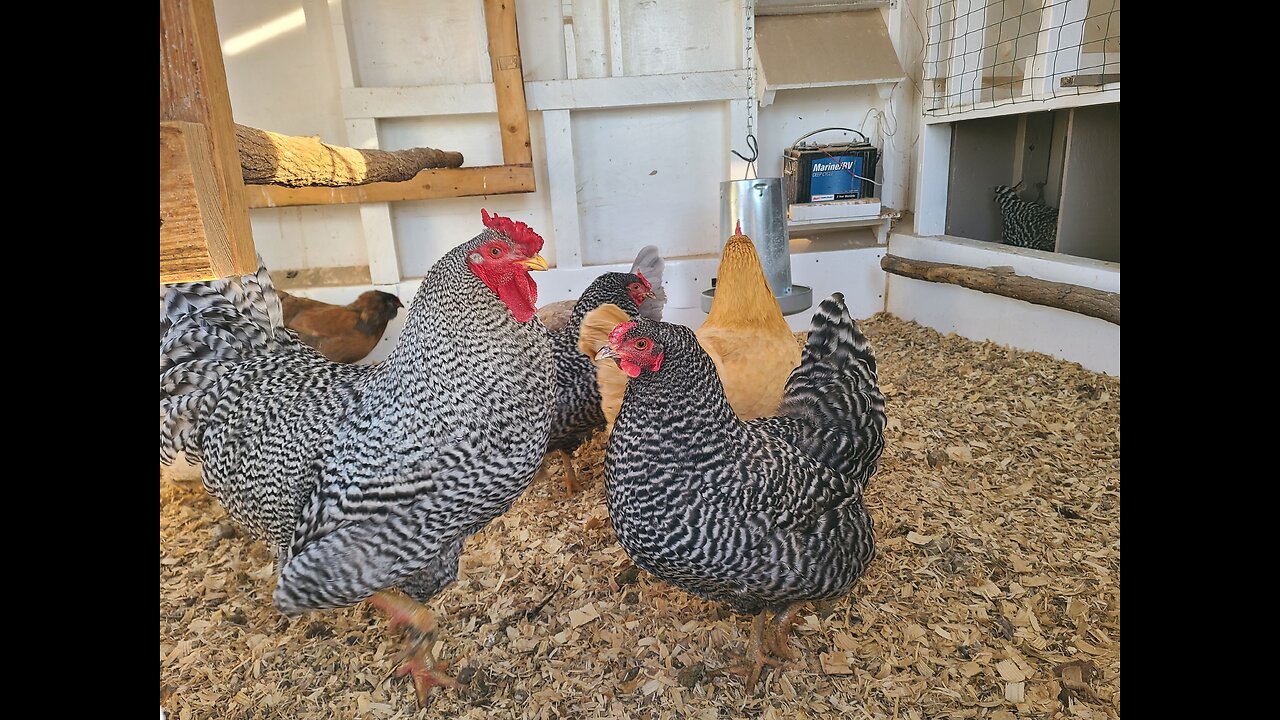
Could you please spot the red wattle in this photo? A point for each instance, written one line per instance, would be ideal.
(520, 294)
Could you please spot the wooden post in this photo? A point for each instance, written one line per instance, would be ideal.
(193, 88)
(192, 218)
(508, 81)
(1064, 296)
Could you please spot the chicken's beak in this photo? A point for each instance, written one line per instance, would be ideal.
(651, 295)
(607, 352)
(537, 262)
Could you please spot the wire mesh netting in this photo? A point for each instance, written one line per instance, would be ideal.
(988, 53)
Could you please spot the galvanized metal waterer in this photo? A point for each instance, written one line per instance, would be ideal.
(759, 206)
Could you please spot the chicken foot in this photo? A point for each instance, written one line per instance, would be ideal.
(416, 660)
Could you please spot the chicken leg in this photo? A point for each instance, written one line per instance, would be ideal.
(416, 660)
(571, 485)
(782, 632)
(756, 655)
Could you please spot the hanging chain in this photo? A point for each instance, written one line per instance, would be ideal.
(749, 33)
(749, 39)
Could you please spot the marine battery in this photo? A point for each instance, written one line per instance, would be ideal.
(814, 172)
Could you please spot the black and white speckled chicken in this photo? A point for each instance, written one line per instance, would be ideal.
(366, 477)
(1023, 223)
(577, 412)
(761, 514)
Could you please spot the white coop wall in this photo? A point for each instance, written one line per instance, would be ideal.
(634, 106)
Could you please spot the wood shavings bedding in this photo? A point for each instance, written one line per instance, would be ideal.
(995, 592)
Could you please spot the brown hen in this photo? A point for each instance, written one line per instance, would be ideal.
(342, 333)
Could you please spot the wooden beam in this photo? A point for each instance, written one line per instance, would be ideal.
(508, 81)
(1064, 296)
(543, 95)
(193, 88)
(427, 185)
(193, 226)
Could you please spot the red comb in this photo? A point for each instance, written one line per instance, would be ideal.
(615, 336)
(737, 229)
(529, 241)
(644, 280)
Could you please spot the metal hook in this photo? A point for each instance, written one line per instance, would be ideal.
(755, 150)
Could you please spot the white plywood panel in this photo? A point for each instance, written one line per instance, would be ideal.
(299, 93)
(309, 237)
(796, 112)
(666, 36)
(410, 42)
(541, 32)
(475, 136)
(591, 37)
(649, 175)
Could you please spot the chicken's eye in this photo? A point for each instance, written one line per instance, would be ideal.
(642, 344)
(495, 251)
(635, 287)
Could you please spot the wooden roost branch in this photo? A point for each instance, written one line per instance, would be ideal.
(268, 158)
(1064, 296)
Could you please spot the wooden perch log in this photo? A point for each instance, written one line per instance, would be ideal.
(268, 158)
(1064, 296)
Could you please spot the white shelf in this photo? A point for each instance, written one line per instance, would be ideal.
(880, 222)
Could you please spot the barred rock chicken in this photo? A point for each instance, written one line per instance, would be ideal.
(1026, 224)
(342, 333)
(367, 477)
(745, 334)
(577, 414)
(760, 514)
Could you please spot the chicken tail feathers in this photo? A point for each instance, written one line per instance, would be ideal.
(834, 392)
(205, 328)
(649, 263)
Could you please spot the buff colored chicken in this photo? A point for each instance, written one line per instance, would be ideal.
(745, 334)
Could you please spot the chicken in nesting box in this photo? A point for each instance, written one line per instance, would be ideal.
(342, 333)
